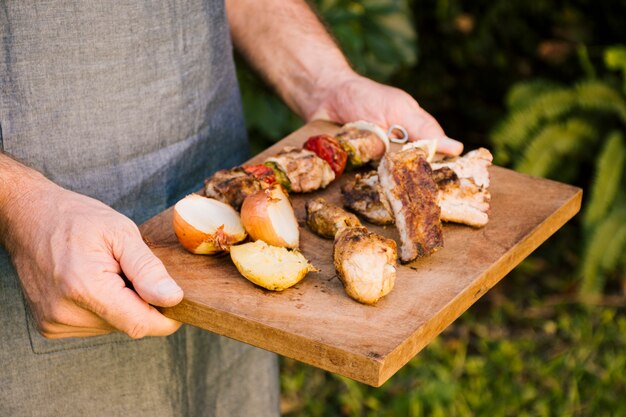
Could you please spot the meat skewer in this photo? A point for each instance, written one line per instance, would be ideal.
(232, 186)
(306, 171)
(363, 141)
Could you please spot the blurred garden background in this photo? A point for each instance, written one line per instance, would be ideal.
(543, 85)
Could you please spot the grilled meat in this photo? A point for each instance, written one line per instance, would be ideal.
(232, 186)
(365, 263)
(326, 219)
(406, 178)
(464, 198)
(472, 165)
(364, 196)
(305, 170)
(363, 141)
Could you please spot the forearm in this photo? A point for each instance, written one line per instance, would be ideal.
(17, 182)
(285, 41)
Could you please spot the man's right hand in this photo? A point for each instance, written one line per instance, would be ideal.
(71, 253)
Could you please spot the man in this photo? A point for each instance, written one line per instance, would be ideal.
(112, 112)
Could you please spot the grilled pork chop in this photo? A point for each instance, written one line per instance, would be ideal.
(364, 195)
(463, 195)
(406, 178)
(365, 263)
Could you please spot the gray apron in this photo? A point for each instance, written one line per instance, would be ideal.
(133, 103)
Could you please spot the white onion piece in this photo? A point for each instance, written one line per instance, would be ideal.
(206, 226)
(267, 215)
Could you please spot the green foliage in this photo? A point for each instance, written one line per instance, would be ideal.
(567, 132)
(529, 361)
(615, 59)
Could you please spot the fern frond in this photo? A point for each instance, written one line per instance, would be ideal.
(600, 241)
(522, 94)
(615, 59)
(616, 249)
(515, 131)
(599, 96)
(555, 141)
(609, 178)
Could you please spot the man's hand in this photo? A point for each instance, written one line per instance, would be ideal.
(71, 253)
(286, 43)
(359, 98)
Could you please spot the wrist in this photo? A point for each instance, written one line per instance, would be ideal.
(316, 103)
(20, 188)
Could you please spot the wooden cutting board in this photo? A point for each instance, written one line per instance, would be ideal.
(317, 323)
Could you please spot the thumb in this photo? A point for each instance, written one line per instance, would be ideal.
(148, 274)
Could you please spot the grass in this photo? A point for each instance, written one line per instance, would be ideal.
(528, 348)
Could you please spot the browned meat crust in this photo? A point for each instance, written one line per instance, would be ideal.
(365, 263)
(406, 178)
(326, 219)
(444, 177)
(231, 186)
(305, 170)
(364, 196)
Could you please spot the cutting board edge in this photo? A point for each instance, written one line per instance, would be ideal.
(406, 350)
(362, 368)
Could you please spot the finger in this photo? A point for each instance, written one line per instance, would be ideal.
(147, 273)
(63, 319)
(62, 331)
(422, 125)
(123, 309)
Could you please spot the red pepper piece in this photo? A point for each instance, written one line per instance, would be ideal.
(261, 172)
(327, 148)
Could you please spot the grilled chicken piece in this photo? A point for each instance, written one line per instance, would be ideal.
(473, 165)
(363, 141)
(365, 263)
(406, 178)
(464, 198)
(305, 170)
(326, 219)
(232, 186)
(364, 196)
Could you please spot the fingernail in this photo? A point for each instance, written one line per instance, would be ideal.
(168, 288)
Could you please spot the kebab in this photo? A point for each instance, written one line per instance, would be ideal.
(324, 158)
(364, 261)
(232, 186)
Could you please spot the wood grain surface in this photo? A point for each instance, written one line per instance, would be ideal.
(317, 323)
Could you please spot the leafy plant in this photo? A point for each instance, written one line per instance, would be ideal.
(577, 134)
